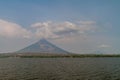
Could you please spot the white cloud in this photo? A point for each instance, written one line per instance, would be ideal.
(104, 46)
(10, 29)
(51, 29)
(46, 29)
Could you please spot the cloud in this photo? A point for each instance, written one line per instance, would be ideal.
(10, 29)
(51, 29)
(104, 46)
(48, 29)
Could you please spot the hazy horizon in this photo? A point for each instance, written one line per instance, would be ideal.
(79, 26)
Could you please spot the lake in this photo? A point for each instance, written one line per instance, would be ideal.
(60, 68)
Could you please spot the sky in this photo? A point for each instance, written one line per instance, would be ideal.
(78, 26)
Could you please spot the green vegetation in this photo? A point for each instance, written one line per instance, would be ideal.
(95, 55)
(47, 55)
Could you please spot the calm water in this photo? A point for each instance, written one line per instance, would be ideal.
(59, 68)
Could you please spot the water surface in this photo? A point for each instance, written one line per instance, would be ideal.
(59, 68)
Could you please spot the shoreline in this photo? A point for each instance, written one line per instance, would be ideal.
(42, 55)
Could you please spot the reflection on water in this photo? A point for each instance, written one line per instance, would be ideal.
(60, 69)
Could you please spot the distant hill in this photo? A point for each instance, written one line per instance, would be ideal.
(42, 46)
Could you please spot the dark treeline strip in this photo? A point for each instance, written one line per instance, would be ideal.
(47, 55)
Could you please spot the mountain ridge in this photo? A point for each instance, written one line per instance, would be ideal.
(42, 46)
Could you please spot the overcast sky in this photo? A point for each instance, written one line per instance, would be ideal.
(79, 26)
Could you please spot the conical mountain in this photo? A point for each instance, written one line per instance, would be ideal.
(42, 46)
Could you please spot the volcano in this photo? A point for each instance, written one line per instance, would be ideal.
(42, 46)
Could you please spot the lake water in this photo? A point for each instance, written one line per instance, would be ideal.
(59, 68)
